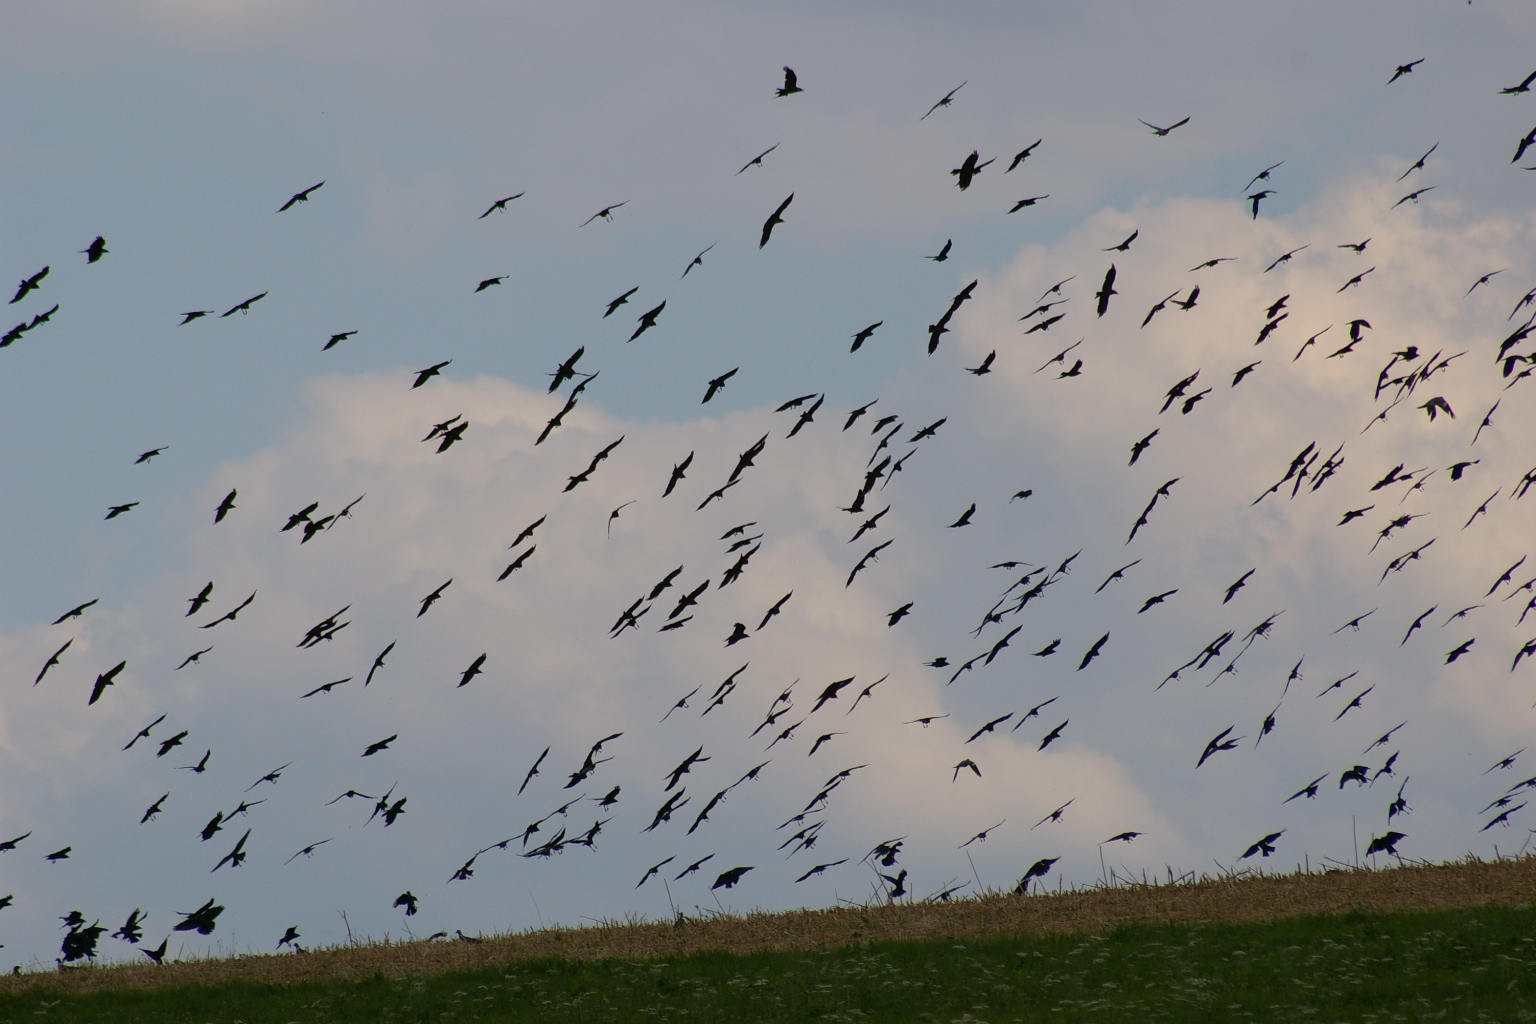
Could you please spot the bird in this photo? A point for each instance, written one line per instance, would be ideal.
(1240, 583)
(299, 197)
(75, 612)
(104, 680)
(1219, 743)
(34, 282)
(1403, 69)
(1055, 816)
(648, 320)
(422, 376)
(473, 670)
(1259, 197)
(337, 339)
(1052, 736)
(1285, 257)
(757, 161)
(729, 878)
(194, 315)
(117, 510)
(968, 170)
(1414, 196)
(1261, 176)
(946, 101)
(243, 307)
(500, 204)
(1385, 844)
(1106, 290)
(1160, 132)
(483, 285)
(777, 217)
(860, 339)
(376, 747)
(1417, 165)
(1266, 846)
(1023, 155)
(606, 213)
(943, 253)
(1125, 245)
(54, 660)
(96, 250)
(200, 920)
(791, 83)
(431, 599)
(1093, 652)
(1025, 203)
(967, 763)
(1524, 86)
(697, 261)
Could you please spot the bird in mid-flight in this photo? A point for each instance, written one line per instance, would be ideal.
(500, 204)
(949, 98)
(791, 83)
(776, 218)
(299, 197)
(97, 250)
(1403, 69)
(1160, 132)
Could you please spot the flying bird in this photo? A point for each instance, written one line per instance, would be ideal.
(34, 282)
(96, 250)
(243, 307)
(946, 101)
(791, 83)
(757, 161)
(606, 213)
(1023, 155)
(777, 217)
(500, 204)
(1160, 132)
(1404, 69)
(299, 197)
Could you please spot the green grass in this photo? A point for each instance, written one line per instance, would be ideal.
(1461, 965)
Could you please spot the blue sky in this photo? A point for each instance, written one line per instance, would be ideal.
(176, 130)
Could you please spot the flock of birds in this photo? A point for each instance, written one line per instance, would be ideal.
(1406, 378)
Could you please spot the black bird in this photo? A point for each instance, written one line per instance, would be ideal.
(483, 285)
(729, 878)
(1160, 132)
(1023, 155)
(1266, 846)
(500, 204)
(117, 510)
(422, 376)
(374, 748)
(194, 315)
(1022, 204)
(1385, 844)
(76, 611)
(29, 284)
(1284, 258)
(1261, 176)
(1241, 582)
(243, 307)
(1125, 245)
(943, 253)
(698, 261)
(337, 339)
(791, 83)
(533, 771)
(1106, 290)
(757, 161)
(969, 169)
(1259, 197)
(1524, 86)
(987, 729)
(1403, 69)
(776, 218)
(234, 858)
(948, 98)
(232, 614)
(1220, 742)
(861, 338)
(1053, 735)
(606, 213)
(1093, 652)
(200, 920)
(105, 680)
(431, 599)
(648, 320)
(621, 300)
(298, 197)
(1414, 196)
(517, 563)
(965, 517)
(1418, 165)
(472, 671)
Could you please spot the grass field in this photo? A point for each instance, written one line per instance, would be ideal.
(1447, 943)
